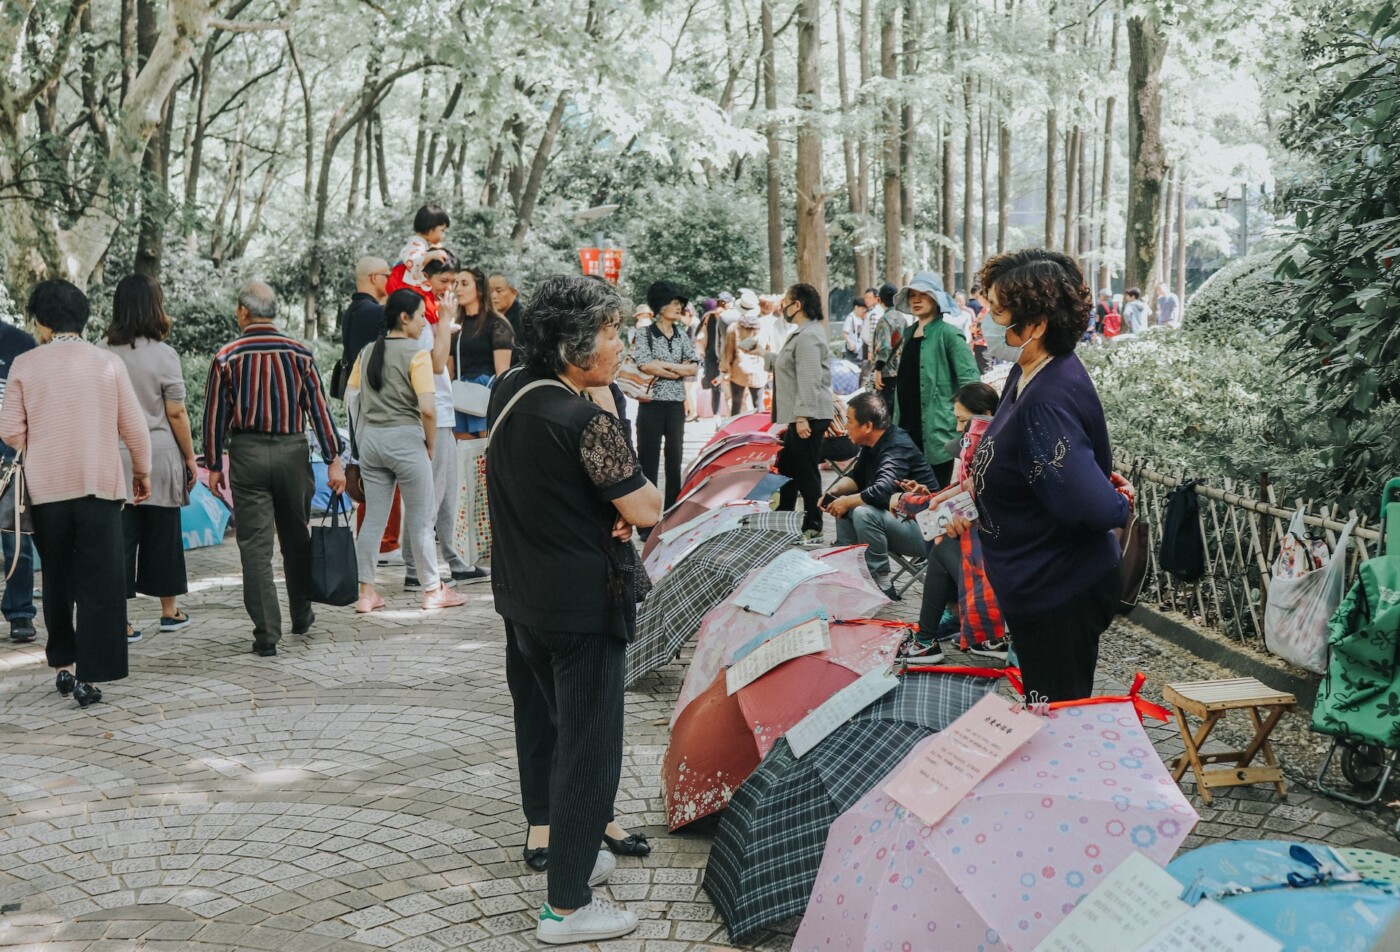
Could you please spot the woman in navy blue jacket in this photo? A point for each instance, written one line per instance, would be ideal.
(1047, 501)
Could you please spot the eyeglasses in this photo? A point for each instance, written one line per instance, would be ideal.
(379, 274)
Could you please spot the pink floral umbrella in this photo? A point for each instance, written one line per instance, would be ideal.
(1013, 857)
(667, 552)
(759, 421)
(847, 593)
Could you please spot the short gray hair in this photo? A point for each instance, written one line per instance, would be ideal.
(563, 319)
(259, 299)
(510, 282)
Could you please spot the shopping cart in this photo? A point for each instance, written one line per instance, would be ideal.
(1358, 701)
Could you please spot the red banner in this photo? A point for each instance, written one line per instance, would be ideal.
(591, 260)
(612, 264)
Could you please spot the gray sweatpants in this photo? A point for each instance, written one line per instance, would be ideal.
(446, 490)
(392, 455)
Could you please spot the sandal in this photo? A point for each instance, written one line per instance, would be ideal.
(180, 620)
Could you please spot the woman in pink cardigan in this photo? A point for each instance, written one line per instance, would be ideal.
(65, 408)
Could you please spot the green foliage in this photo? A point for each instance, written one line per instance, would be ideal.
(1244, 292)
(1214, 400)
(1345, 336)
(704, 240)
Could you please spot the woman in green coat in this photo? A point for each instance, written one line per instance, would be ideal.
(933, 362)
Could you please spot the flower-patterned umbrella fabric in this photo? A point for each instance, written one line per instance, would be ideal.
(769, 844)
(719, 739)
(739, 450)
(754, 483)
(759, 421)
(1010, 861)
(848, 593)
(671, 614)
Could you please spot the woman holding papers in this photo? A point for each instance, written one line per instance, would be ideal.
(1047, 499)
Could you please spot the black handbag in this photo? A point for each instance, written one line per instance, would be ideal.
(16, 511)
(334, 570)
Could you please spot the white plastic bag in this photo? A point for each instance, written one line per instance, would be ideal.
(1302, 597)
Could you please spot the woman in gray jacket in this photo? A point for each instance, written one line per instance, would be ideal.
(802, 399)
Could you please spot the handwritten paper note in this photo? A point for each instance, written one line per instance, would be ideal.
(1132, 904)
(1210, 927)
(766, 591)
(804, 638)
(957, 758)
(1137, 907)
(840, 708)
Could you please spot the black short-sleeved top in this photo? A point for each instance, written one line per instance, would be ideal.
(475, 345)
(555, 466)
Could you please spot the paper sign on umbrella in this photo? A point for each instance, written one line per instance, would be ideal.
(1013, 857)
(736, 484)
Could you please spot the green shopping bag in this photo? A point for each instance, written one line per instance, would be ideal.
(1359, 698)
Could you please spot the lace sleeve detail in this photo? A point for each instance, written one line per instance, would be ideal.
(502, 335)
(606, 457)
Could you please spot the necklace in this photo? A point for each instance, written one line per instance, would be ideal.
(67, 335)
(1030, 374)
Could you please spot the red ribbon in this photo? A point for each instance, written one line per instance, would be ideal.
(1139, 703)
(1011, 674)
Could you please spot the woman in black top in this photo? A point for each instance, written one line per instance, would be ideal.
(564, 491)
(483, 347)
(712, 328)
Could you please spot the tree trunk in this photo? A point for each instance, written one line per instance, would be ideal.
(1081, 191)
(1147, 161)
(1003, 181)
(1180, 240)
(1052, 144)
(309, 183)
(1106, 182)
(1071, 186)
(865, 259)
(150, 238)
(356, 155)
(772, 166)
(984, 135)
(969, 159)
(947, 267)
(910, 36)
(531, 195)
(420, 142)
(848, 150)
(894, 244)
(811, 200)
(380, 160)
(1164, 270)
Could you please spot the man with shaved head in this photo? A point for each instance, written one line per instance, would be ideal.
(363, 319)
(262, 393)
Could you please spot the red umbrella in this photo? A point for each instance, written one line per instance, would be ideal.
(719, 739)
(760, 421)
(746, 448)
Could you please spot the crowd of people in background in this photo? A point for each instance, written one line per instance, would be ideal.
(439, 355)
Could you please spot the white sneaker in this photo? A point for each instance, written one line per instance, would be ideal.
(602, 868)
(600, 919)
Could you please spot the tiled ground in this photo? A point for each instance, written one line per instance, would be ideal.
(357, 792)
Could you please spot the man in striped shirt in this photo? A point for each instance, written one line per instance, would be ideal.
(262, 388)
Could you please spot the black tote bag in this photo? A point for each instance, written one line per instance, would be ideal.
(334, 571)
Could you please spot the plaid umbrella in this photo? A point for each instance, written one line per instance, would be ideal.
(770, 841)
(671, 614)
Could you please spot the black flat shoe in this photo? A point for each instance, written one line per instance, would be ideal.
(538, 860)
(633, 844)
(64, 683)
(86, 694)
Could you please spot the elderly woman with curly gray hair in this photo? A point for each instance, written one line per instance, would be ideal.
(565, 490)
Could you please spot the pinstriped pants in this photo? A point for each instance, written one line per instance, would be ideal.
(581, 679)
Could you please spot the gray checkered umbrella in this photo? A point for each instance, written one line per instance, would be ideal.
(769, 846)
(671, 614)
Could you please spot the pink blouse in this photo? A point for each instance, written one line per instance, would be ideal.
(70, 406)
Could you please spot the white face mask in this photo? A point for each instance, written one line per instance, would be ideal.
(995, 336)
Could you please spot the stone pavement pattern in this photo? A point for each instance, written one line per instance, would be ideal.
(356, 792)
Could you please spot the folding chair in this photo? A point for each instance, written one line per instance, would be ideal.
(911, 569)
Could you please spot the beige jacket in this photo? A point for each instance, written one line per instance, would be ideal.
(749, 372)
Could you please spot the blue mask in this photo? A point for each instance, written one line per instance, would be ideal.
(995, 336)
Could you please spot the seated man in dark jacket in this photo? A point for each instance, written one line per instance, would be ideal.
(860, 502)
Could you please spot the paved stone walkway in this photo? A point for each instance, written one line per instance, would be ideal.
(356, 792)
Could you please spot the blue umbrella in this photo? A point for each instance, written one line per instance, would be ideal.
(204, 519)
(1298, 893)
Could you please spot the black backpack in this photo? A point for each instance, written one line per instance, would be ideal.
(1181, 552)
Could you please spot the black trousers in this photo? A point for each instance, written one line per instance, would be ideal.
(940, 585)
(580, 677)
(799, 460)
(736, 397)
(1058, 649)
(155, 551)
(80, 542)
(712, 383)
(656, 421)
